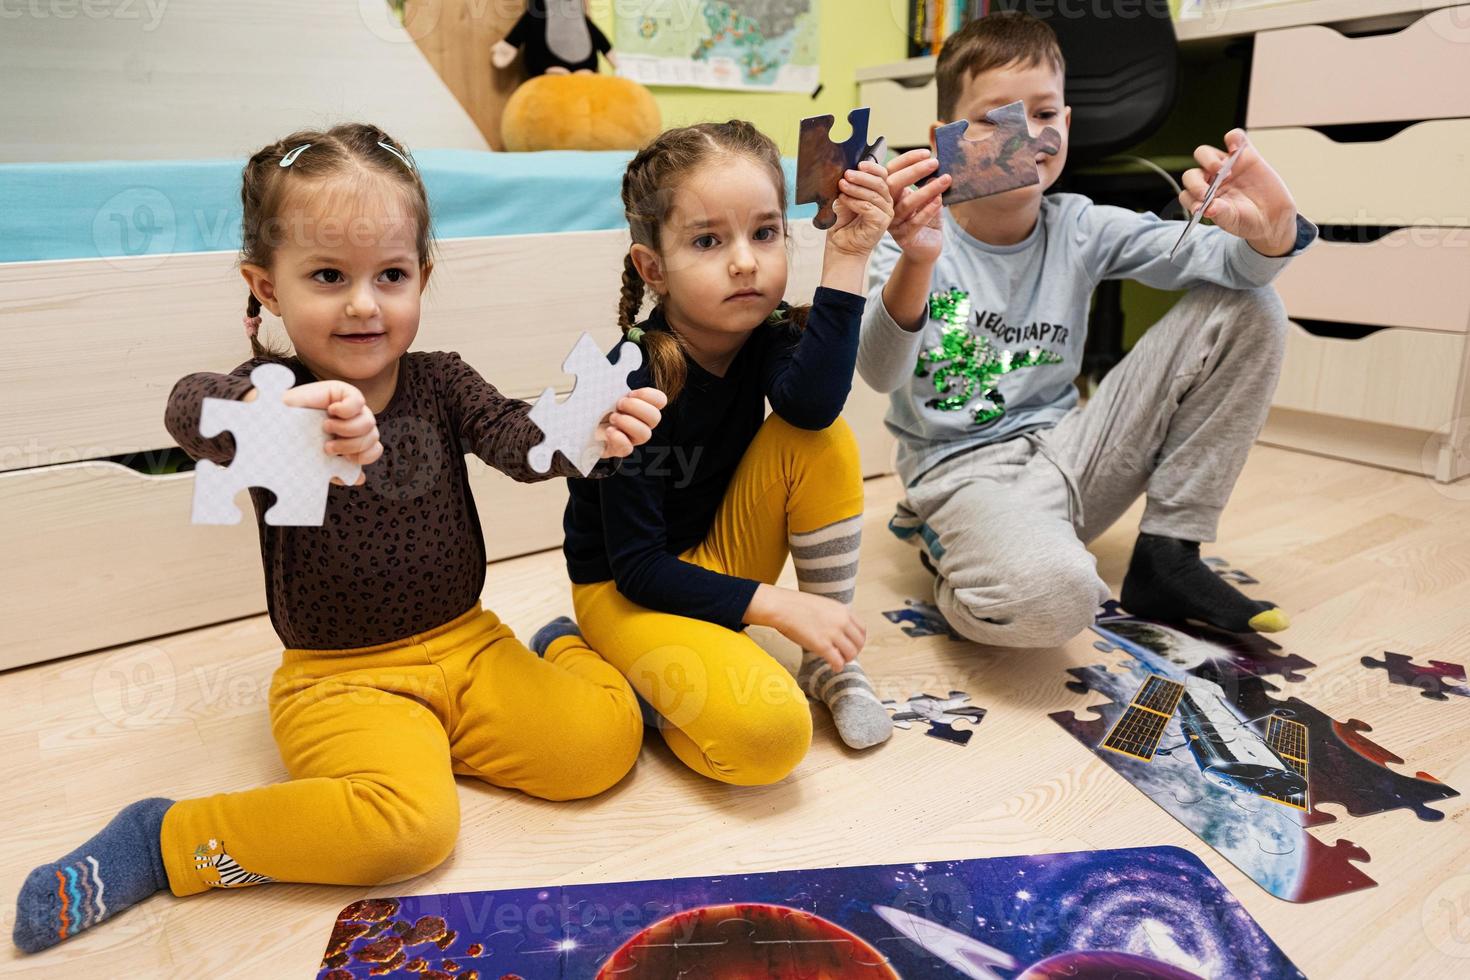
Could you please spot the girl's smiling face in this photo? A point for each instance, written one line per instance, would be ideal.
(346, 280)
(721, 268)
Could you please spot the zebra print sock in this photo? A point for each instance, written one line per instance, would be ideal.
(826, 563)
(116, 869)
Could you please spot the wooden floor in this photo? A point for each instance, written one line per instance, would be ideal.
(1367, 560)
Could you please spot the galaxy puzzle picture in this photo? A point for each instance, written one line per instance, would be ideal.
(1154, 912)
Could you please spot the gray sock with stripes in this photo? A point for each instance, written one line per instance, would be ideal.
(826, 563)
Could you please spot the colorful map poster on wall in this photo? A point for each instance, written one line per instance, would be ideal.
(751, 45)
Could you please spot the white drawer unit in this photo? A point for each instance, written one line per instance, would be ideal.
(1412, 277)
(1316, 76)
(1419, 176)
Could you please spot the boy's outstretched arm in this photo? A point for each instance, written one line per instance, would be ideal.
(898, 300)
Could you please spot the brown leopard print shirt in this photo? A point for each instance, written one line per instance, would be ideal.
(403, 553)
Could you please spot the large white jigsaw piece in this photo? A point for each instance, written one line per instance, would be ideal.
(570, 426)
(277, 447)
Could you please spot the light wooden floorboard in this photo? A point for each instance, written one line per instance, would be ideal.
(1366, 560)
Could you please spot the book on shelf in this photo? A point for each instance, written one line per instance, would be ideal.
(931, 22)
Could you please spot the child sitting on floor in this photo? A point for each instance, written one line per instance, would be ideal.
(394, 679)
(674, 555)
(976, 321)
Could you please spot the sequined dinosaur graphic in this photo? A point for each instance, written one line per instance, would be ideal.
(970, 364)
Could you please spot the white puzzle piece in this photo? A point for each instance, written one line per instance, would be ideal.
(570, 426)
(277, 447)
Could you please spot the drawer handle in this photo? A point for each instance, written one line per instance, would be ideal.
(915, 81)
(1372, 132)
(1355, 234)
(1336, 330)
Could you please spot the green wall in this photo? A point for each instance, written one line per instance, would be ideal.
(855, 34)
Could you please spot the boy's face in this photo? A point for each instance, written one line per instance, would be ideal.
(1039, 88)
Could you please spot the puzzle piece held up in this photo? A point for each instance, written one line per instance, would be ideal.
(570, 426)
(940, 713)
(1003, 162)
(277, 447)
(820, 163)
(1433, 681)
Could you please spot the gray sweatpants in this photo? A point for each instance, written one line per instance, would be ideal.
(1007, 524)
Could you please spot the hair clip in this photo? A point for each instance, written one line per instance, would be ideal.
(290, 158)
(634, 335)
(397, 153)
(252, 326)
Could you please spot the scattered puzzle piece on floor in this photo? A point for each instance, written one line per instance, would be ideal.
(1194, 726)
(570, 426)
(821, 163)
(1432, 681)
(278, 448)
(1222, 568)
(1248, 652)
(940, 713)
(1148, 912)
(1002, 162)
(921, 619)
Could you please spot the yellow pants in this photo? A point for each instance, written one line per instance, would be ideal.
(731, 711)
(372, 739)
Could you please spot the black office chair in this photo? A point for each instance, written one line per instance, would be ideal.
(1122, 81)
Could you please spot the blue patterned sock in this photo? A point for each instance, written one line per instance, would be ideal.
(116, 869)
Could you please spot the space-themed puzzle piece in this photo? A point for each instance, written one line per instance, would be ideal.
(1192, 724)
(278, 448)
(979, 918)
(941, 713)
(1248, 652)
(1003, 161)
(570, 426)
(821, 163)
(919, 618)
(1434, 682)
(1226, 571)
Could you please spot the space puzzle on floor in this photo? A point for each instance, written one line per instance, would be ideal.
(1143, 912)
(1193, 724)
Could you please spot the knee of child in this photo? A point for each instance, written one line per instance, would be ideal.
(416, 837)
(599, 762)
(762, 745)
(1048, 606)
(837, 436)
(1258, 317)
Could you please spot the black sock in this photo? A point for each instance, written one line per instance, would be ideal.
(1168, 581)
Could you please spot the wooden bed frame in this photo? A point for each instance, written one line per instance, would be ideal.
(98, 554)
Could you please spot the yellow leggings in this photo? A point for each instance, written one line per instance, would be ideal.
(731, 711)
(372, 739)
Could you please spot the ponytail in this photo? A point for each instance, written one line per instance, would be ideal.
(252, 328)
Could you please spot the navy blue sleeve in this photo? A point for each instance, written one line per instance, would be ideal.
(808, 381)
(636, 536)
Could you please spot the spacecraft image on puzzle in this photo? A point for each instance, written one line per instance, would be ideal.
(1195, 726)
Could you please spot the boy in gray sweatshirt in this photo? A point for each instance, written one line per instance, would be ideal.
(975, 325)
